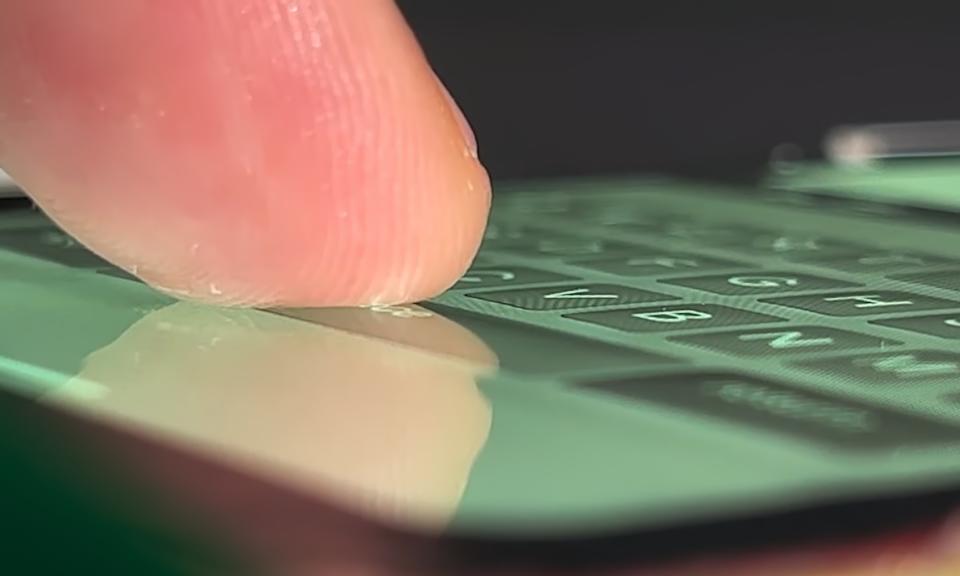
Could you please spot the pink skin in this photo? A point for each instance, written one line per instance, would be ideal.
(243, 152)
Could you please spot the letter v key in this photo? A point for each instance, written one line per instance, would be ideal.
(578, 293)
(571, 297)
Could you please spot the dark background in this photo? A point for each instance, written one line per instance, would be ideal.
(558, 88)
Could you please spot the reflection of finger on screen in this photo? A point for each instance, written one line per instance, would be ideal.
(383, 429)
(410, 325)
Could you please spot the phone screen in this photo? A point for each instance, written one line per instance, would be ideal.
(621, 357)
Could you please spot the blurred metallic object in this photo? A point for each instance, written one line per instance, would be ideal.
(869, 143)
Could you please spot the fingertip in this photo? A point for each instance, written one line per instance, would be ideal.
(260, 156)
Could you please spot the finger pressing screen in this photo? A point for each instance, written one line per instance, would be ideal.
(243, 152)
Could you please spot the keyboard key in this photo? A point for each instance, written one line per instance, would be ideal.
(576, 246)
(826, 200)
(879, 262)
(654, 263)
(641, 219)
(627, 223)
(482, 277)
(541, 204)
(52, 245)
(549, 244)
(532, 350)
(863, 303)
(949, 280)
(790, 245)
(787, 341)
(672, 318)
(830, 421)
(512, 236)
(572, 297)
(703, 232)
(766, 282)
(942, 325)
(507, 231)
(891, 367)
(617, 216)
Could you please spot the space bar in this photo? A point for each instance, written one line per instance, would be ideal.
(532, 350)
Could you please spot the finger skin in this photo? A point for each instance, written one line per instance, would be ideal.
(249, 153)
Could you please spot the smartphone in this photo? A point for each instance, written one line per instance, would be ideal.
(650, 365)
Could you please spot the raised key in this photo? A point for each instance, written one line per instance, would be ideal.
(506, 232)
(704, 232)
(949, 279)
(766, 282)
(891, 367)
(863, 303)
(790, 245)
(572, 246)
(787, 341)
(542, 204)
(572, 297)
(526, 349)
(619, 217)
(942, 325)
(673, 318)
(878, 261)
(482, 277)
(830, 421)
(656, 263)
